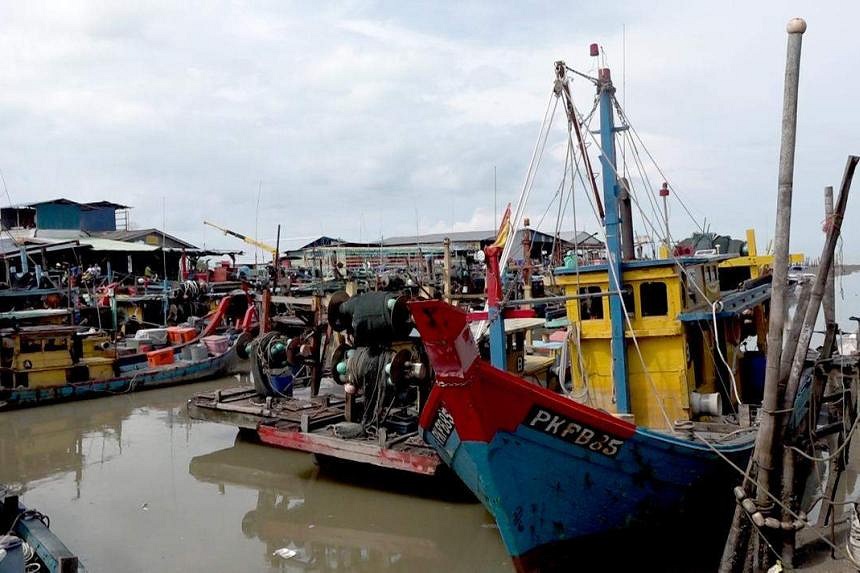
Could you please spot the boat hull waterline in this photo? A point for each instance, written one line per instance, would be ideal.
(139, 379)
(549, 469)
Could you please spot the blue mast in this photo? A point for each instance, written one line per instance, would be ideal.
(606, 91)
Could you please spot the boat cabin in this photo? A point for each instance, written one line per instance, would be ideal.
(673, 362)
(43, 356)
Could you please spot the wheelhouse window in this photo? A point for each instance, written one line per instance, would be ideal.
(590, 308)
(629, 300)
(654, 299)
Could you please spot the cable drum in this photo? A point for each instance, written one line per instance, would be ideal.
(374, 318)
(268, 357)
(364, 366)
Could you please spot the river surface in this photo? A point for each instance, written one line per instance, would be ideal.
(132, 484)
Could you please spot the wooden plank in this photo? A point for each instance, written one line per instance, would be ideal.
(409, 459)
(223, 416)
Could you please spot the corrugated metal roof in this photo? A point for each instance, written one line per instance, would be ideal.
(457, 236)
(100, 244)
(132, 234)
(583, 238)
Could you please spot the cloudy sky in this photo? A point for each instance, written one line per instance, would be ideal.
(361, 119)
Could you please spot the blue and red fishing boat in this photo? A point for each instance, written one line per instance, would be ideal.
(663, 374)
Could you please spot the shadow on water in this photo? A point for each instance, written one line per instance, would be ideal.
(346, 516)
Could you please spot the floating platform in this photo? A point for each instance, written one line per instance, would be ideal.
(303, 423)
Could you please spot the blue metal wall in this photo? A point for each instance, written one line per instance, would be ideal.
(58, 216)
(103, 219)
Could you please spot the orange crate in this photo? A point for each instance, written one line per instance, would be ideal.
(174, 335)
(188, 334)
(181, 334)
(159, 357)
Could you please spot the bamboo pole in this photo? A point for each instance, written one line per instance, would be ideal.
(794, 330)
(830, 289)
(763, 454)
(825, 265)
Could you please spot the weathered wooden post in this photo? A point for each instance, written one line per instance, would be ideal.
(825, 265)
(446, 269)
(527, 259)
(829, 302)
(764, 451)
(794, 330)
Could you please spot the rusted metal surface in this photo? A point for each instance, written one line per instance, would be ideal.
(303, 423)
(406, 456)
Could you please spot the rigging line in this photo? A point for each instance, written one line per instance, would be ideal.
(581, 360)
(775, 499)
(671, 256)
(563, 86)
(537, 153)
(643, 174)
(557, 191)
(530, 176)
(657, 396)
(560, 194)
(713, 305)
(676, 195)
(835, 452)
(593, 80)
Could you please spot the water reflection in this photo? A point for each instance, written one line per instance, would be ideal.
(134, 485)
(368, 520)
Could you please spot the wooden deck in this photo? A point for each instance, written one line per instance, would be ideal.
(304, 423)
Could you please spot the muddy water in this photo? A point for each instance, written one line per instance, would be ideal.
(132, 484)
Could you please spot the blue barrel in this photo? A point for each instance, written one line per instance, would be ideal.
(753, 372)
(282, 383)
(13, 562)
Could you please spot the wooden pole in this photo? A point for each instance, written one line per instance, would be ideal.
(770, 403)
(446, 269)
(527, 260)
(829, 302)
(799, 359)
(763, 454)
(818, 288)
(793, 333)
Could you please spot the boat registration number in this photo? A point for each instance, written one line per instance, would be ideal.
(443, 426)
(564, 428)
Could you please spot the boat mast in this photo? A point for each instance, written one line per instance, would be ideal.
(611, 222)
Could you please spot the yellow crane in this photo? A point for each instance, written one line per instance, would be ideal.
(250, 240)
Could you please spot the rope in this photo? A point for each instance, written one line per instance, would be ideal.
(675, 194)
(775, 499)
(534, 163)
(835, 452)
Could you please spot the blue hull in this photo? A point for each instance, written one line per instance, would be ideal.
(132, 381)
(544, 492)
(554, 472)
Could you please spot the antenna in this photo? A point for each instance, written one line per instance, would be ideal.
(624, 94)
(257, 219)
(495, 202)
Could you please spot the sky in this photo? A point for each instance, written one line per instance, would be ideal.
(367, 119)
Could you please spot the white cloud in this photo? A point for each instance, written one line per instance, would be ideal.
(355, 116)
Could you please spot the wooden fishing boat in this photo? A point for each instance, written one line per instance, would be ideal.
(58, 363)
(135, 373)
(663, 393)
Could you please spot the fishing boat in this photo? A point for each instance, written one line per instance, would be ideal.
(28, 543)
(664, 383)
(46, 364)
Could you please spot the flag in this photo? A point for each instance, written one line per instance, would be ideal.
(504, 229)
